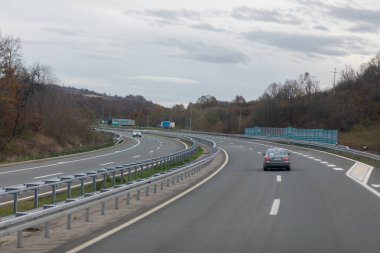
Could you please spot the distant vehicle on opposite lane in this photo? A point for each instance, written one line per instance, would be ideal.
(136, 133)
(276, 158)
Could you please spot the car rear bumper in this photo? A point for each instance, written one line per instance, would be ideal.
(276, 164)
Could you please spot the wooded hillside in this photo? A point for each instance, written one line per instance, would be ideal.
(37, 113)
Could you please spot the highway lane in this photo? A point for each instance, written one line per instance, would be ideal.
(133, 150)
(313, 208)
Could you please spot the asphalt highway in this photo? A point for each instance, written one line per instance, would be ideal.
(133, 150)
(312, 208)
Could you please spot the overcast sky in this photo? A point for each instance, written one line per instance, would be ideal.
(174, 51)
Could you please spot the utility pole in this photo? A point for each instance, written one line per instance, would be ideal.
(334, 75)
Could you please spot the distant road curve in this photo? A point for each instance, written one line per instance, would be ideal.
(133, 150)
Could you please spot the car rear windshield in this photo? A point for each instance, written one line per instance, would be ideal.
(277, 152)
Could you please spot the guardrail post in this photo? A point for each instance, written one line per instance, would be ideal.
(141, 170)
(122, 177)
(46, 233)
(93, 183)
(103, 208)
(19, 239)
(168, 183)
(104, 185)
(181, 176)
(69, 190)
(82, 186)
(15, 202)
(54, 193)
(136, 172)
(87, 214)
(113, 178)
(129, 174)
(128, 198)
(162, 185)
(173, 180)
(177, 178)
(36, 197)
(138, 195)
(117, 203)
(147, 191)
(68, 226)
(155, 188)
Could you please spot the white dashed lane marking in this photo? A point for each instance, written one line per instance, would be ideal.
(48, 175)
(275, 207)
(375, 185)
(104, 164)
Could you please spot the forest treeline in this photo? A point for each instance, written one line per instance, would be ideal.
(37, 116)
(38, 113)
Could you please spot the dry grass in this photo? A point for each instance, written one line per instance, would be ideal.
(362, 136)
(41, 146)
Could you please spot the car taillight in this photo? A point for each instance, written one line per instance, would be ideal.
(286, 158)
(267, 158)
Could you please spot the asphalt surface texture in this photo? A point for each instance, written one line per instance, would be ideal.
(314, 207)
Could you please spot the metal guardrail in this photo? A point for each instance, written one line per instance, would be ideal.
(366, 156)
(22, 221)
(82, 177)
(335, 148)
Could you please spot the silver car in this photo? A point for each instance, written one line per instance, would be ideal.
(136, 133)
(276, 158)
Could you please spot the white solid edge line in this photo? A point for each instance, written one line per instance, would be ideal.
(369, 172)
(142, 216)
(275, 207)
(348, 172)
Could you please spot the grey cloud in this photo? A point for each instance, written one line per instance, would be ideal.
(311, 45)
(63, 31)
(173, 14)
(166, 16)
(369, 20)
(364, 20)
(356, 15)
(364, 28)
(206, 53)
(273, 16)
(207, 27)
(321, 28)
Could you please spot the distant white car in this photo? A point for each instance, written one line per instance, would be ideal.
(136, 133)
